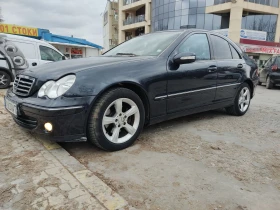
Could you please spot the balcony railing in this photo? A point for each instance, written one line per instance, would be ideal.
(127, 2)
(132, 20)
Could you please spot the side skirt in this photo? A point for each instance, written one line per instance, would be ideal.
(190, 111)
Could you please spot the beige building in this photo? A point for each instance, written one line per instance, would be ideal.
(237, 9)
(110, 25)
(134, 18)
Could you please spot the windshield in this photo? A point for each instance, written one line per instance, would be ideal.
(147, 45)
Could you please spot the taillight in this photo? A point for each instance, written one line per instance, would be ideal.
(274, 68)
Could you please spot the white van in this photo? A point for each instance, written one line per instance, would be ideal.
(18, 53)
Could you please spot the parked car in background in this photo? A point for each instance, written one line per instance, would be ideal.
(270, 72)
(152, 78)
(18, 53)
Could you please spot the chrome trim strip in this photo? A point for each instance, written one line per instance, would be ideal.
(52, 109)
(193, 91)
(228, 85)
(161, 97)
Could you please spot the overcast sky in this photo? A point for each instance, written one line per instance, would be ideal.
(80, 18)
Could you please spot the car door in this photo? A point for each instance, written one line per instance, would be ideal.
(192, 85)
(230, 65)
(48, 54)
(264, 71)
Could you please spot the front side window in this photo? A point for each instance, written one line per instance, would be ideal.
(148, 45)
(198, 44)
(221, 48)
(48, 54)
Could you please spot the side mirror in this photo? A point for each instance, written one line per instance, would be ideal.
(184, 58)
(63, 58)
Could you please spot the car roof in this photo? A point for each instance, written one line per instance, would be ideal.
(22, 38)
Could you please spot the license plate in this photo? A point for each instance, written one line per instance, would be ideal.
(11, 106)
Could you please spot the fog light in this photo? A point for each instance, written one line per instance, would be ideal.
(48, 127)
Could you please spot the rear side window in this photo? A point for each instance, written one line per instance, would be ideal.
(198, 44)
(221, 48)
(235, 54)
(27, 49)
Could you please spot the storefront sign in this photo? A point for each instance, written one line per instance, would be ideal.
(18, 30)
(76, 51)
(261, 49)
(247, 34)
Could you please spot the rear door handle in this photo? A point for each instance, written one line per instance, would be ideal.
(212, 69)
(240, 66)
(34, 64)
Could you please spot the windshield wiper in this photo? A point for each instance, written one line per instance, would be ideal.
(126, 54)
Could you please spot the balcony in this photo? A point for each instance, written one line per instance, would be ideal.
(127, 2)
(132, 20)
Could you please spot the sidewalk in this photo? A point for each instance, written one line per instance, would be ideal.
(36, 174)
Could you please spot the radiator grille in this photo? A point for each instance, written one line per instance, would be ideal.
(23, 85)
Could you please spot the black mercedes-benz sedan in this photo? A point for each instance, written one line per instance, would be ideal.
(107, 100)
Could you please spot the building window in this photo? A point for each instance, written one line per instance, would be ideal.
(272, 3)
(265, 23)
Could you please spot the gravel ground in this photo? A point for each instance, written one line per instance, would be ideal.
(203, 161)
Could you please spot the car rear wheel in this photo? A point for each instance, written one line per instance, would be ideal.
(269, 84)
(241, 102)
(5, 80)
(116, 120)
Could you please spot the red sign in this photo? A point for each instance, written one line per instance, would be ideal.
(76, 51)
(261, 49)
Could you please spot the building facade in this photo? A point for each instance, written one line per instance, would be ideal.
(110, 25)
(134, 18)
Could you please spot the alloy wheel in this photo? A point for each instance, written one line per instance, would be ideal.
(121, 120)
(244, 99)
(3, 80)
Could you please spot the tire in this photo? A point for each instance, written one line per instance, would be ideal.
(109, 126)
(237, 109)
(5, 80)
(269, 84)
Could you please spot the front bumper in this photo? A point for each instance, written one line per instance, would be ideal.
(69, 119)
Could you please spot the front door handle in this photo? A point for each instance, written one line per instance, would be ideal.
(240, 66)
(34, 64)
(212, 69)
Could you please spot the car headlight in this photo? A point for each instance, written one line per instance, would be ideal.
(54, 89)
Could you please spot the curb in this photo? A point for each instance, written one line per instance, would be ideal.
(95, 186)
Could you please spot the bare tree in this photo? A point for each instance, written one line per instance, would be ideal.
(1, 17)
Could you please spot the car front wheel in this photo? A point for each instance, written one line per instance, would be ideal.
(5, 80)
(241, 102)
(116, 120)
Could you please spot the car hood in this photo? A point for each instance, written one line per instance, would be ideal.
(56, 70)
